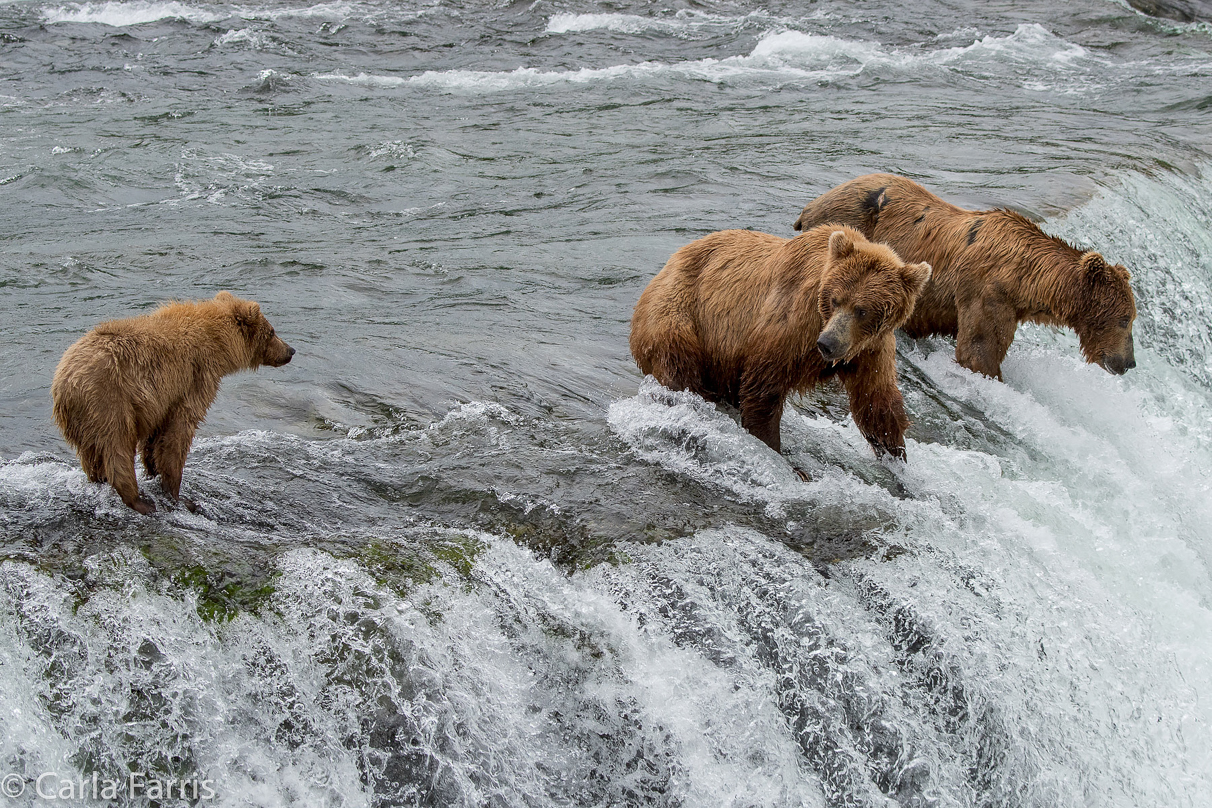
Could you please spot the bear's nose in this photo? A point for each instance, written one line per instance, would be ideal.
(292, 351)
(828, 345)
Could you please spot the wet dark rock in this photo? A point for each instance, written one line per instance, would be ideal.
(1180, 10)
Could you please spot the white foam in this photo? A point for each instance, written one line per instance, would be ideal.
(1108, 526)
(681, 23)
(253, 38)
(1029, 43)
(29, 733)
(48, 485)
(122, 13)
(363, 79)
(396, 150)
(220, 177)
(509, 691)
(506, 684)
(805, 51)
(721, 722)
(778, 56)
(687, 435)
(786, 54)
(327, 11)
(622, 23)
(135, 12)
(134, 651)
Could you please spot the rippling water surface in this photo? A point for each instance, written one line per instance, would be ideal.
(459, 552)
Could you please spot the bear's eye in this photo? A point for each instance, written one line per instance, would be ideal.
(860, 313)
(834, 302)
(1124, 322)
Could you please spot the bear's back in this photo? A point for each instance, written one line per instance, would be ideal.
(742, 278)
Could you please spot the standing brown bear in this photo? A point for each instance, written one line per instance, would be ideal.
(993, 269)
(145, 384)
(746, 318)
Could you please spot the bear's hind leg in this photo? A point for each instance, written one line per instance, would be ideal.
(120, 472)
(174, 437)
(679, 367)
(677, 374)
(92, 461)
(673, 356)
(986, 329)
(762, 414)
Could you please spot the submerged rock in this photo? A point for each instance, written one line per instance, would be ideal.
(1180, 10)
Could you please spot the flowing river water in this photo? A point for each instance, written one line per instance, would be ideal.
(459, 552)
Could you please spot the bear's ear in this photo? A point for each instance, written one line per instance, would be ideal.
(916, 276)
(225, 297)
(840, 244)
(1094, 267)
(248, 316)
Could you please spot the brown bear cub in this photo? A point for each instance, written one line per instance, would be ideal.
(746, 318)
(993, 269)
(145, 383)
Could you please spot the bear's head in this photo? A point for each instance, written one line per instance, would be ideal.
(866, 292)
(264, 347)
(1108, 309)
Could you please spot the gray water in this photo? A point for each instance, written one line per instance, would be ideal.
(459, 552)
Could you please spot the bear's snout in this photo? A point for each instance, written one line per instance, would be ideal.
(281, 356)
(1118, 365)
(835, 341)
(830, 347)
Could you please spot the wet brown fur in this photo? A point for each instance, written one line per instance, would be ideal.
(993, 269)
(737, 315)
(145, 383)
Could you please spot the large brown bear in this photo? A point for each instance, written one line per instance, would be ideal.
(993, 269)
(146, 383)
(746, 318)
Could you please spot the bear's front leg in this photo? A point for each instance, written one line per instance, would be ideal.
(875, 400)
(173, 439)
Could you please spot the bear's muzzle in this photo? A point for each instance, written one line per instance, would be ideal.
(281, 356)
(834, 343)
